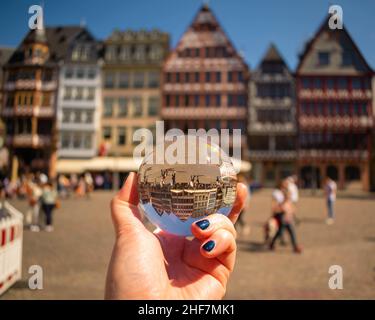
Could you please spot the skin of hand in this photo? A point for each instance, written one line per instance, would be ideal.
(159, 265)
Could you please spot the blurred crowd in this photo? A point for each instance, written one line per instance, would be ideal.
(43, 194)
(284, 208)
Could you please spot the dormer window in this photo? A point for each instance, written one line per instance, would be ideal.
(323, 58)
(80, 53)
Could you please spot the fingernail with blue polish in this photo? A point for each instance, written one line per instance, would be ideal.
(209, 245)
(203, 224)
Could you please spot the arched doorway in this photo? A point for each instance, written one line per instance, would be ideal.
(332, 172)
(310, 177)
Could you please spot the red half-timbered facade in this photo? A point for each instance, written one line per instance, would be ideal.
(334, 107)
(205, 80)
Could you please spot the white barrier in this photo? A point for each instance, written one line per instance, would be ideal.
(11, 234)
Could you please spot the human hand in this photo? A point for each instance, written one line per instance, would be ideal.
(159, 265)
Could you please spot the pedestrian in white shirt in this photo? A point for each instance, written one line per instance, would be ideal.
(330, 192)
(293, 194)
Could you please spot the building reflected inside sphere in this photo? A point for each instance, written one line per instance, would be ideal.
(174, 196)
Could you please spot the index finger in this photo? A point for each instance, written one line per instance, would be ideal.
(239, 204)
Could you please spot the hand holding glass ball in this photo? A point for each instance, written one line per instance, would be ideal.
(203, 200)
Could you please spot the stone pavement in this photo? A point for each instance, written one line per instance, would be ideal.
(75, 256)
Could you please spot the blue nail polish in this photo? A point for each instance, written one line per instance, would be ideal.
(203, 224)
(209, 245)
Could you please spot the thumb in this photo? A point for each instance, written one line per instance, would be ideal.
(124, 206)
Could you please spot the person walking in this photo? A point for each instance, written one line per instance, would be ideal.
(49, 201)
(283, 212)
(330, 193)
(294, 196)
(34, 192)
(89, 183)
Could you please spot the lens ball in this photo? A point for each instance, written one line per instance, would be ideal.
(184, 181)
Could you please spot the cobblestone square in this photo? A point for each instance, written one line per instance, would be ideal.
(74, 257)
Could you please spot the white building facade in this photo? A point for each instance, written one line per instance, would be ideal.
(79, 100)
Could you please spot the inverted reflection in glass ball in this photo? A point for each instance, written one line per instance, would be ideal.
(174, 196)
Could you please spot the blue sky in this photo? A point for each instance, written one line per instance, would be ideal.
(251, 24)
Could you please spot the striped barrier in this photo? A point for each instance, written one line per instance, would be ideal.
(11, 232)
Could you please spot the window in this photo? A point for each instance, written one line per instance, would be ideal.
(139, 80)
(122, 107)
(153, 80)
(109, 80)
(305, 83)
(197, 53)
(208, 76)
(124, 81)
(331, 109)
(46, 99)
(241, 100)
(65, 140)
(356, 83)
(69, 73)
(207, 100)
(87, 141)
(47, 75)
(68, 93)
(77, 140)
(108, 107)
(345, 109)
(77, 116)
(121, 136)
(186, 100)
(323, 58)
(240, 76)
(330, 84)
(196, 100)
(177, 77)
(218, 100)
(218, 76)
(140, 52)
(153, 106)
(90, 93)
(168, 100)
(89, 116)
(80, 73)
(110, 53)
(230, 76)
(156, 52)
(79, 93)
(10, 100)
(317, 83)
(196, 77)
(91, 74)
(107, 133)
(137, 107)
(342, 83)
(168, 77)
(230, 100)
(125, 53)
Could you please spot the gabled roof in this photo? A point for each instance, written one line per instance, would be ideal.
(58, 39)
(205, 31)
(325, 27)
(5, 54)
(272, 54)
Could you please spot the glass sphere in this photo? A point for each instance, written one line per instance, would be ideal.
(185, 186)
